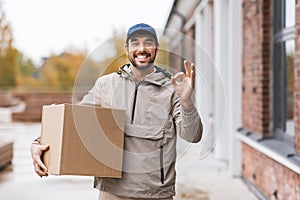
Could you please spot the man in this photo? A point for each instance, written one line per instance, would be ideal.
(158, 107)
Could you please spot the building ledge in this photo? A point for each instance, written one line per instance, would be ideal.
(254, 189)
(279, 148)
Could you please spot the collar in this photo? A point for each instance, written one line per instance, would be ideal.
(157, 77)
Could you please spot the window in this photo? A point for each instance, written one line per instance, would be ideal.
(283, 76)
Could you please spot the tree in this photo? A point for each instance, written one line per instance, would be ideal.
(25, 73)
(8, 54)
(59, 71)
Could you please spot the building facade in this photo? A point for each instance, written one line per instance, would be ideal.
(247, 88)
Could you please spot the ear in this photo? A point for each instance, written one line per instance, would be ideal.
(157, 48)
(126, 49)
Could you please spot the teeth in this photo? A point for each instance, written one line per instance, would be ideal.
(141, 57)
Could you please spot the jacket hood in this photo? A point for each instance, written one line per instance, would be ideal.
(158, 77)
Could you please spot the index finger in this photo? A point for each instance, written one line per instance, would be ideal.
(42, 165)
(193, 74)
(188, 68)
(39, 171)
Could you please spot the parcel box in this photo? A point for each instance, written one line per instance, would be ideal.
(84, 140)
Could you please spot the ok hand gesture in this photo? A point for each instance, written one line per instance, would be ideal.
(183, 84)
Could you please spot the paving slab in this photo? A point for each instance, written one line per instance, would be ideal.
(206, 178)
(197, 179)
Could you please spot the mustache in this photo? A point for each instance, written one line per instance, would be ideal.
(142, 54)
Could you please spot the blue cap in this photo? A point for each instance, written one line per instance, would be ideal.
(141, 28)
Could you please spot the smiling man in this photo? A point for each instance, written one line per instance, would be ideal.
(141, 46)
(158, 108)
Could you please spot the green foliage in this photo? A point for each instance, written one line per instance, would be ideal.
(25, 73)
(25, 66)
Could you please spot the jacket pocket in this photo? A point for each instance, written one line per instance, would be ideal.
(144, 132)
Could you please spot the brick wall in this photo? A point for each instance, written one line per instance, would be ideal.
(273, 179)
(184, 50)
(297, 81)
(256, 66)
(270, 177)
(35, 100)
(176, 59)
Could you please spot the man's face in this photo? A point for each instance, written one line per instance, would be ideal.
(141, 50)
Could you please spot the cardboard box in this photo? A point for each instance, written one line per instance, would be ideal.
(84, 140)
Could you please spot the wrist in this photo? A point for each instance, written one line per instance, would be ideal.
(187, 104)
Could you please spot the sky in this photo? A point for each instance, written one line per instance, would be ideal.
(52, 26)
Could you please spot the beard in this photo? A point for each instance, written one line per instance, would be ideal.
(143, 66)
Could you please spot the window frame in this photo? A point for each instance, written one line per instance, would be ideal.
(281, 35)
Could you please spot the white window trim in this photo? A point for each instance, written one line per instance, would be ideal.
(279, 155)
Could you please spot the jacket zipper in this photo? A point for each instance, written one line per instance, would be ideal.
(134, 103)
(162, 173)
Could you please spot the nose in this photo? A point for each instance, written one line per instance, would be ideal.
(141, 47)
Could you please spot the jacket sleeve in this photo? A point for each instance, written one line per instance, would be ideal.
(188, 122)
(93, 96)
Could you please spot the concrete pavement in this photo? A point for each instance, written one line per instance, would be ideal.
(196, 179)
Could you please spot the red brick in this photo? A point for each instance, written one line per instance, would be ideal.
(257, 69)
(270, 175)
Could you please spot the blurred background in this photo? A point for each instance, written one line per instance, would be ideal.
(246, 54)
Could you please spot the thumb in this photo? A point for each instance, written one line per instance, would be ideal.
(173, 81)
(45, 147)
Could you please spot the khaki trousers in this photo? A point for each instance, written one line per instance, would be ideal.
(109, 196)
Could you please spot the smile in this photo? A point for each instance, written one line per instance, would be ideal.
(142, 56)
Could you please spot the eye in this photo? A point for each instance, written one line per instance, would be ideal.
(149, 44)
(134, 44)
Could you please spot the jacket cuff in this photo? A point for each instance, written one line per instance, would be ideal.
(188, 112)
(189, 116)
(37, 140)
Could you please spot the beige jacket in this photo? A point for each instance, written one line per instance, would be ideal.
(154, 117)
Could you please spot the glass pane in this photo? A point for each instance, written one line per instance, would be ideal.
(289, 53)
(290, 6)
(279, 118)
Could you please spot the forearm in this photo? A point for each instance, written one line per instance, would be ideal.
(190, 124)
(89, 99)
(92, 97)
